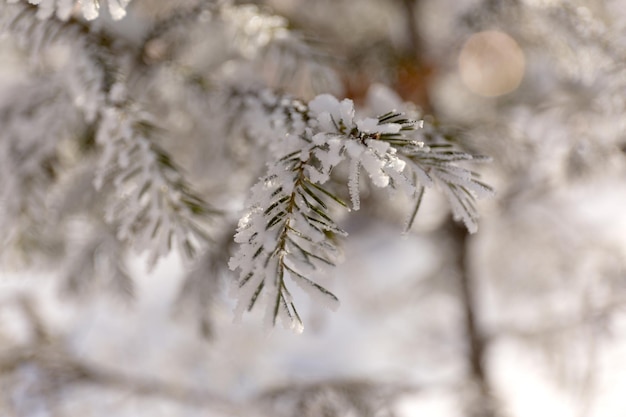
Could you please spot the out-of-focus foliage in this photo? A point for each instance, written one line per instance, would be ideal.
(143, 126)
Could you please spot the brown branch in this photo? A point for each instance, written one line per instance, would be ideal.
(66, 371)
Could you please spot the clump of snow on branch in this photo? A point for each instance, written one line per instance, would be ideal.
(266, 41)
(253, 30)
(63, 9)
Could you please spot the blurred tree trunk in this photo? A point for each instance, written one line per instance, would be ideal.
(477, 342)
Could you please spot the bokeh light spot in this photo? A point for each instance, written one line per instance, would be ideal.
(491, 63)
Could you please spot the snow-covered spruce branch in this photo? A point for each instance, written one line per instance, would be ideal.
(87, 76)
(260, 49)
(288, 233)
(434, 160)
(284, 235)
(154, 206)
(255, 32)
(35, 119)
(150, 204)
